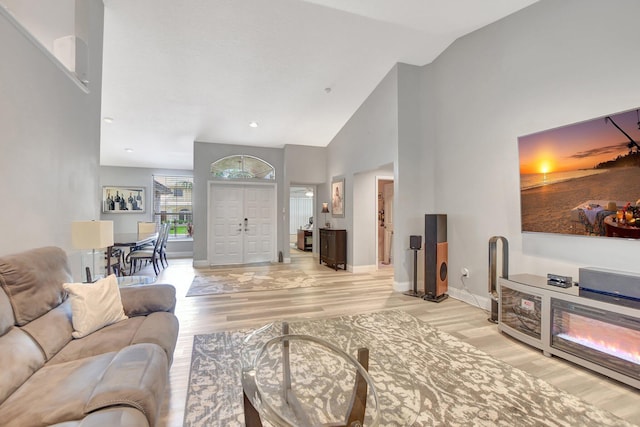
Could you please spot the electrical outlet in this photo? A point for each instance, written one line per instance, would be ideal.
(464, 271)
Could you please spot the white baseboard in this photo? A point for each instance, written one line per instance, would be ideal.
(201, 263)
(175, 255)
(361, 268)
(465, 296)
(401, 286)
(286, 260)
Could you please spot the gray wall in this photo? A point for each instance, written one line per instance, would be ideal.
(50, 135)
(552, 64)
(366, 143)
(207, 153)
(294, 164)
(450, 130)
(305, 165)
(415, 172)
(141, 177)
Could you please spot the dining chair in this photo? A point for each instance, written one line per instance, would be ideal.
(151, 255)
(146, 227)
(163, 247)
(114, 258)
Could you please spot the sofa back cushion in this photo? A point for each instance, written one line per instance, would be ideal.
(52, 331)
(6, 314)
(20, 357)
(33, 281)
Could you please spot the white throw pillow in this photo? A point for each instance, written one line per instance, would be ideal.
(94, 305)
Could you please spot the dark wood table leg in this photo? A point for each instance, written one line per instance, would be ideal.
(358, 404)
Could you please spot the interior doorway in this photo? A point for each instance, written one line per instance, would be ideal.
(242, 223)
(385, 222)
(301, 220)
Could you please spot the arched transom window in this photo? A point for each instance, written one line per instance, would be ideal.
(242, 167)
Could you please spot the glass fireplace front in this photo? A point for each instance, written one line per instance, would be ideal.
(603, 337)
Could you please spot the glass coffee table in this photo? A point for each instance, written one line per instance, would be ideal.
(301, 380)
(134, 280)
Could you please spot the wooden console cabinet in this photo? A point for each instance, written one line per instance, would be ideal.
(333, 247)
(305, 240)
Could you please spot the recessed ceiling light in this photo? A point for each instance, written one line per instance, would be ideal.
(253, 124)
(108, 119)
(129, 150)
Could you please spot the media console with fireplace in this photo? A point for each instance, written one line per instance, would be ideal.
(598, 335)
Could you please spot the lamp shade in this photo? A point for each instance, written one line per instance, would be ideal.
(325, 208)
(91, 234)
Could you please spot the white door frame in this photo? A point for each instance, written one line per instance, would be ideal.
(210, 185)
(378, 178)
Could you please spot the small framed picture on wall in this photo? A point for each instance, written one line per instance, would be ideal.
(123, 199)
(337, 198)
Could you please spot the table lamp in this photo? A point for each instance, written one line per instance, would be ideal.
(92, 235)
(325, 211)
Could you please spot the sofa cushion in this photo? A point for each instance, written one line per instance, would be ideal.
(55, 394)
(134, 377)
(94, 305)
(110, 338)
(33, 281)
(20, 357)
(52, 331)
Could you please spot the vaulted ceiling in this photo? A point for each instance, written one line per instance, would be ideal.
(175, 72)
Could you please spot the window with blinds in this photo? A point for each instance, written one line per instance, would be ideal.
(172, 204)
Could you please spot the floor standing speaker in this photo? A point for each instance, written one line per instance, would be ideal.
(436, 253)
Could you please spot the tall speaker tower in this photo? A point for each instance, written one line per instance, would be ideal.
(436, 257)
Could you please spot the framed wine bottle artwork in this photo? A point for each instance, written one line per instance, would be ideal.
(117, 199)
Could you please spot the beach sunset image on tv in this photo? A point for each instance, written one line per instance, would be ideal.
(576, 178)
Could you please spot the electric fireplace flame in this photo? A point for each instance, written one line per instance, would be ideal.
(605, 347)
(599, 334)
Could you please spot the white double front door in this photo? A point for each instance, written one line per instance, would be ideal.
(242, 226)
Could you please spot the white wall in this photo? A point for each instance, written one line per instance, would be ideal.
(50, 135)
(552, 64)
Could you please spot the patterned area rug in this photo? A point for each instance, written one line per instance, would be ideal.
(421, 374)
(213, 282)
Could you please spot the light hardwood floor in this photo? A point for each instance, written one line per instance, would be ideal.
(347, 293)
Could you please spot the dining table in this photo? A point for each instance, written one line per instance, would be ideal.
(128, 242)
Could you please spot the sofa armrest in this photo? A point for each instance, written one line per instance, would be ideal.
(147, 299)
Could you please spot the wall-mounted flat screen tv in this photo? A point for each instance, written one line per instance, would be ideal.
(583, 178)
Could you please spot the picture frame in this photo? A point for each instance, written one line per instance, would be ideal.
(337, 198)
(123, 199)
(576, 179)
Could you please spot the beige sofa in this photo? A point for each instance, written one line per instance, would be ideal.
(115, 376)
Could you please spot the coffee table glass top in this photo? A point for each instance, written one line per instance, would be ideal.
(311, 384)
(135, 280)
